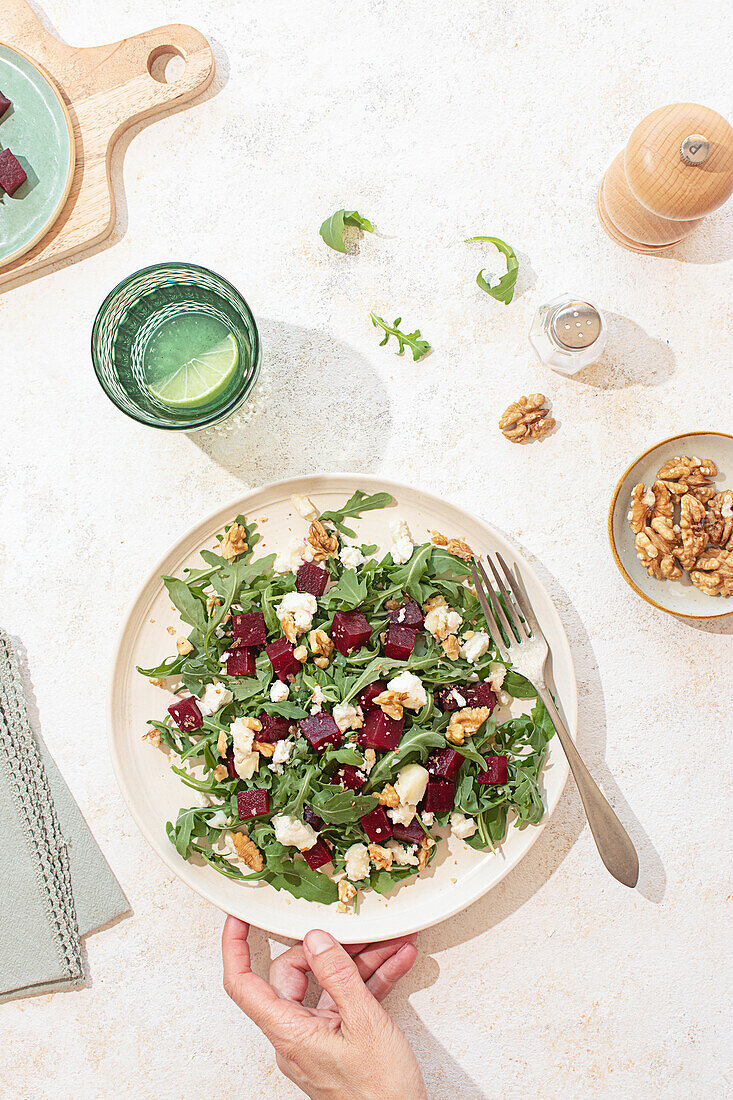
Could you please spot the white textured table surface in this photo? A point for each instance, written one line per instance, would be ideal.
(438, 121)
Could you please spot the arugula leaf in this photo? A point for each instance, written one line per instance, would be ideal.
(355, 506)
(171, 666)
(191, 609)
(348, 592)
(417, 345)
(504, 292)
(342, 807)
(518, 686)
(332, 230)
(415, 741)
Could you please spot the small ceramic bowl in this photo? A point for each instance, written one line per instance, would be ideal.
(679, 598)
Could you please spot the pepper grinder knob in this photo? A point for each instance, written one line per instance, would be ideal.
(676, 168)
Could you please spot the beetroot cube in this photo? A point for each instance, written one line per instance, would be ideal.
(320, 730)
(438, 797)
(445, 763)
(380, 731)
(377, 825)
(252, 803)
(249, 628)
(311, 578)
(230, 764)
(408, 834)
(350, 631)
(312, 818)
(241, 662)
(480, 694)
(274, 728)
(11, 172)
(350, 776)
(366, 697)
(449, 698)
(409, 614)
(317, 856)
(186, 714)
(400, 642)
(4, 104)
(280, 653)
(496, 771)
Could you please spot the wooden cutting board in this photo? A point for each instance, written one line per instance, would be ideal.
(106, 89)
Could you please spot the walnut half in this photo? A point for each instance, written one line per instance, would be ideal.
(235, 542)
(464, 723)
(526, 419)
(713, 573)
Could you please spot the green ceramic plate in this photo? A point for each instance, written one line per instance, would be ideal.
(37, 128)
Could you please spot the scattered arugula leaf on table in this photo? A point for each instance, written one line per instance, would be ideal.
(332, 230)
(504, 291)
(413, 340)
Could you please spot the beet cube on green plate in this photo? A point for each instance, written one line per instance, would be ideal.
(12, 175)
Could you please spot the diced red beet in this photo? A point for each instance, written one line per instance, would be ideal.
(350, 631)
(249, 628)
(11, 172)
(409, 614)
(230, 764)
(445, 763)
(438, 797)
(377, 825)
(312, 818)
(320, 730)
(252, 803)
(349, 776)
(282, 660)
(480, 694)
(399, 643)
(445, 697)
(408, 834)
(4, 104)
(367, 695)
(186, 714)
(380, 731)
(317, 856)
(496, 771)
(311, 578)
(274, 728)
(241, 662)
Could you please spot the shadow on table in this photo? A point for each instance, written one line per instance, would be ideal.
(318, 405)
(631, 358)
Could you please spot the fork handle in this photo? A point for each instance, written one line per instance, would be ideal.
(612, 841)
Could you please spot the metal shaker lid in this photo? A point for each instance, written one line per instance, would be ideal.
(576, 325)
(695, 149)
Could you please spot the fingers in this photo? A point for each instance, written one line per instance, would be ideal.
(289, 971)
(385, 978)
(369, 960)
(337, 974)
(252, 993)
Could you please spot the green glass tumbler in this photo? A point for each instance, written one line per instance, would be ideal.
(165, 311)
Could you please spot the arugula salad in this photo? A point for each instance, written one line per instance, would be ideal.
(336, 709)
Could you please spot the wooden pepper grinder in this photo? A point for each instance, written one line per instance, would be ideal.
(676, 168)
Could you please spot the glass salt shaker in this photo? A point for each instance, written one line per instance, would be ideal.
(568, 334)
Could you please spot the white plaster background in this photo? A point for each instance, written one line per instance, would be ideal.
(438, 121)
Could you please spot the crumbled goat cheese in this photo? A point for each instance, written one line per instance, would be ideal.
(294, 832)
(402, 815)
(411, 686)
(442, 621)
(317, 699)
(301, 605)
(498, 262)
(357, 862)
(402, 545)
(403, 857)
(282, 752)
(462, 826)
(217, 820)
(347, 717)
(428, 818)
(496, 675)
(456, 696)
(351, 557)
(411, 784)
(224, 658)
(246, 761)
(279, 691)
(290, 560)
(473, 649)
(370, 759)
(305, 506)
(215, 696)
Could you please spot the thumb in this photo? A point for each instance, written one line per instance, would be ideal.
(336, 972)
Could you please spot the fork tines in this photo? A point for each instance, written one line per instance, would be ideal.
(510, 618)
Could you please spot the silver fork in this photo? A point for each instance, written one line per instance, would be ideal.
(529, 656)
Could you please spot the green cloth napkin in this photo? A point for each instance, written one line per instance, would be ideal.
(55, 884)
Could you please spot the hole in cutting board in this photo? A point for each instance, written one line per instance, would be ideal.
(166, 64)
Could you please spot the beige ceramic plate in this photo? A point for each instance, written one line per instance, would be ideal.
(676, 597)
(458, 874)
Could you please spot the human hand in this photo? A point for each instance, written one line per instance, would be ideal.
(347, 1047)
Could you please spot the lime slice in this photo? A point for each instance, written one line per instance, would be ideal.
(201, 379)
